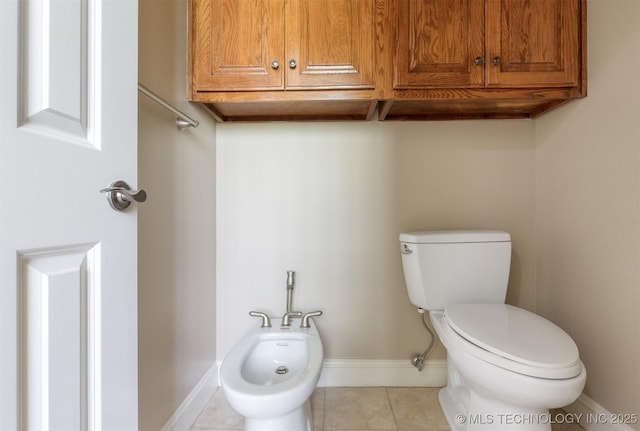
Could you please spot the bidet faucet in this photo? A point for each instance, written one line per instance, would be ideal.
(286, 318)
(305, 318)
(290, 284)
(266, 322)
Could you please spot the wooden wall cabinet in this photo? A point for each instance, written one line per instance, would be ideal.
(283, 59)
(482, 58)
(256, 60)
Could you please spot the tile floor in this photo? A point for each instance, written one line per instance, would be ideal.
(353, 409)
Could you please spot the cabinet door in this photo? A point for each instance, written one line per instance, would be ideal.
(331, 43)
(236, 43)
(438, 43)
(536, 42)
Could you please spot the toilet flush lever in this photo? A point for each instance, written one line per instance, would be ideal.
(120, 195)
(406, 249)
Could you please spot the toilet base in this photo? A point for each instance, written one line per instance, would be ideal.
(490, 416)
(469, 408)
(298, 420)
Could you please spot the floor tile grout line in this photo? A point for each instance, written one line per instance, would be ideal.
(393, 414)
(324, 406)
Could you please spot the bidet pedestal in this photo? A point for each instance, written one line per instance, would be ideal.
(298, 420)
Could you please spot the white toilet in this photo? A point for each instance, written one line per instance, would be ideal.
(506, 366)
(270, 374)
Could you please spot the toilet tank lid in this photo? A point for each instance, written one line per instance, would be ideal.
(454, 236)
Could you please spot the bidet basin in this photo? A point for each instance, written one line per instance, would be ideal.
(269, 376)
(276, 358)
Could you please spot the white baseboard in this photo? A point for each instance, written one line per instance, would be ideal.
(187, 412)
(593, 417)
(372, 372)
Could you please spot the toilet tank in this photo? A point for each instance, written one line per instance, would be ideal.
(455, 267)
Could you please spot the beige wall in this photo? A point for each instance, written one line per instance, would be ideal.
(588, 210)
(176, 224)
(329, 200)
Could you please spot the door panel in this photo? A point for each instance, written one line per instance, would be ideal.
(236, 44)
(438, 42)
(332, 43)
(54, 96)
(537, 43)
(57, 313)
(68, 280)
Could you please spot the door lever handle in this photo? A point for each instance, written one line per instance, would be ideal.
(120, 195)
(130, 195)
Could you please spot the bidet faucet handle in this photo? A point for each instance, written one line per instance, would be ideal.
(266, 321)
(286, 318)
(305, 318)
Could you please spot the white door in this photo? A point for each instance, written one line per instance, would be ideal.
(68, 300)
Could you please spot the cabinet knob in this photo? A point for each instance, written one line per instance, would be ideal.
(478, 60)
(496, 61)
(292, 64)
(275, 64)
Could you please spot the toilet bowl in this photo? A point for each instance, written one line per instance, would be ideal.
(491, 388)
(269, 376)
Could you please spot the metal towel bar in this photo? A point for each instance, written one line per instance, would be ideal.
(182, 122)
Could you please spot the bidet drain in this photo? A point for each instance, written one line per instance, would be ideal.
(282, 370)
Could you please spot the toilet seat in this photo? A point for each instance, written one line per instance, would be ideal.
(514, 339)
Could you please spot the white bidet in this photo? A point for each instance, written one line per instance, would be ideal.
(269, 376)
